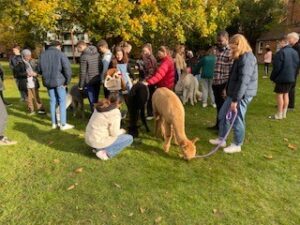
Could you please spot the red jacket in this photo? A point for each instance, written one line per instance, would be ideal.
(164, 75)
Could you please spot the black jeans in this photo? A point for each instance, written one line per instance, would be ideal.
(219, 98)
(149, 103)
(292, 94)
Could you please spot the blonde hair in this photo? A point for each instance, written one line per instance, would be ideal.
(242, 46)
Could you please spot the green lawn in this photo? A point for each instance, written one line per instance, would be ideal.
(143, 185)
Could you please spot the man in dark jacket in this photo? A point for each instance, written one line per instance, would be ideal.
(293, 39)
(89, 80)
(285, 66)
(2, 87)
(56, 72)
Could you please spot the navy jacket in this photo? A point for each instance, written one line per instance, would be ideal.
(285, 65)
(55, 68)
(243, 77)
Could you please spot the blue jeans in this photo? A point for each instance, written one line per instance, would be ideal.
(92, 92)
(239, 124)
(58, 97)
(122, 142)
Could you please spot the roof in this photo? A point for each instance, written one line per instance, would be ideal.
(278, 32)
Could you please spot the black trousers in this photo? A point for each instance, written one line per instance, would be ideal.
(292, 94)
(219, 98)
(149, 103)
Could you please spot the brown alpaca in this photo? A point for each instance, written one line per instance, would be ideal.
(169, 116)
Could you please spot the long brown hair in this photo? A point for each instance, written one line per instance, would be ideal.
(114, 61)
(242, 46)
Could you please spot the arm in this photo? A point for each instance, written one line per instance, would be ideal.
(83, 71)
(106, 63)
(197, 68)
(114, 128)
(159, 75)
(66, 69)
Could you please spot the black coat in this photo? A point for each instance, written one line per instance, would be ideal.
(21, 76)
(285, 65)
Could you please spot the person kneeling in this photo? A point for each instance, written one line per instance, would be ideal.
(103, 132)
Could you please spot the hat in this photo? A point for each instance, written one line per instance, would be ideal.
(26, 52)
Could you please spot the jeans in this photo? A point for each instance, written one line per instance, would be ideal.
(239, 124)
(122, 142)
(266, 67)
(219, 99)
(92, 92)
(3, 117)
(58, 97)
(206, 85)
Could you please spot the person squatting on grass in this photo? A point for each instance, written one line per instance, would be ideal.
(30, 83)
(242, 87)
(55, 69)
(285, 65)
(103, 131)
(89, 79)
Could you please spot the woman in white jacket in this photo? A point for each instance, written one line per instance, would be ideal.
(103, 131)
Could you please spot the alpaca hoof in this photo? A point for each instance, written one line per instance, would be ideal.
(166, 148)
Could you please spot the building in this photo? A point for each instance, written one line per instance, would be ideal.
(291, 23)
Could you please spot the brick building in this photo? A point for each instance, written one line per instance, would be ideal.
(291, 23)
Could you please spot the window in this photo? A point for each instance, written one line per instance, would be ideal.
(260, 47)
(67, 36)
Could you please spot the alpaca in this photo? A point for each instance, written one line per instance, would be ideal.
(137, 99)
(169, 116)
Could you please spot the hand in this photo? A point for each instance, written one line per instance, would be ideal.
(145, 83)
(224, 94)
(233, 107)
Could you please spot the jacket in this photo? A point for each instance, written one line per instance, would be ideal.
(103, 128)
(207, 64)
(106, 59)
(89, 67)
(55, 68)
(297, 48)
(243, 77)
(285, 65)
(164, 75)
(13, 62)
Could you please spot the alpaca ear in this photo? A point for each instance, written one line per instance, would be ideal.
(195, 140)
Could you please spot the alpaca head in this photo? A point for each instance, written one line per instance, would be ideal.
(189, 148)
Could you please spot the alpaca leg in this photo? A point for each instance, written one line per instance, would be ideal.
(184, 96)
(168, 137)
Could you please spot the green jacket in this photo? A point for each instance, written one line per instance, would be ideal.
(207, 65)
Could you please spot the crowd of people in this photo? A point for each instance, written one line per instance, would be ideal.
(228, 71)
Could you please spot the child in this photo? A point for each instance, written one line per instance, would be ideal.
(103, 131)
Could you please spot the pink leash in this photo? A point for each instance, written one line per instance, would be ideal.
(231, 117)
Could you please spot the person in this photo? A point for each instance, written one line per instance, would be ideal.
(147, 67)
(3, 119)
(293, 39)
(30, 83)
(180, 60)
(13, 62)
(56, 72)
(103, 131)
(285, 65)
(242, 87)
(164, 75)
(206, 65)
(2, 87)
(89, 79)
(191, 61)
(267, 61)
(221, 72)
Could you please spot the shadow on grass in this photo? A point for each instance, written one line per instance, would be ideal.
(58, 140)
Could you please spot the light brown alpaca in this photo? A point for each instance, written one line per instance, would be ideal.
(169, 116)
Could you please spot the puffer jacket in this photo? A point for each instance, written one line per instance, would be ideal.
(89, 66)
(55, 68)
(164, 75)
(243, 78)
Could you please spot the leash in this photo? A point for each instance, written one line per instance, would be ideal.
(231, 117)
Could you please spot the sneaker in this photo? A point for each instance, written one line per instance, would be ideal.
(66, 127)
(31, 113)
(214, 105)
(41, 111)
(6, 141)
(264, 77)
(102, 155)
(233, 148)
(218, 141)
(149, 117)
(204, 105)
(277, 116)
(54, 126)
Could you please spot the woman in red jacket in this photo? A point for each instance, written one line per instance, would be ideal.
(165, 73)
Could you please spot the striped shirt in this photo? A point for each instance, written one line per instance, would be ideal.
(223, 66)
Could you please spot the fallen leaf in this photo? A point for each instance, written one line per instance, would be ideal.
(71, 187)
(78, 170)
(117, 185)
(215, 211)
(56, 161)
(292, 147)
(158, 219)
(114, 216)
(285, 139)
(50, 142)
(131, 214)
(142, 210)
(81, 135)
(268, 156)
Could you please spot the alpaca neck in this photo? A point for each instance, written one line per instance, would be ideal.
(180, 134)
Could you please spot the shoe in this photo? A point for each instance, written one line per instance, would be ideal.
(66, 127)
(214, 105)
(204, 105)
(233, 148)
(218, 141)
(264, 77)
(284, 113)
(54, 126)
(123, 114)
(102, 155)
(149, 118)
(277, 116)
(291, 109)
(42, 112)
(6, 141)
(31, 113)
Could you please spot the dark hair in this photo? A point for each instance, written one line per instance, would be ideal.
(81, 43)
(125, 56)
(102, 43)
(16, 46)
(223, 33)
(55, 43)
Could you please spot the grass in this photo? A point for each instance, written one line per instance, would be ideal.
(143, 185)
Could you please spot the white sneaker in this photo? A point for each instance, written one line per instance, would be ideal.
(233, 148)
(149, 117)
(214, 105)
(6, 141)
(66, 127)
(218, 141)
(102, 155)
(54, 126)
(204, 105)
